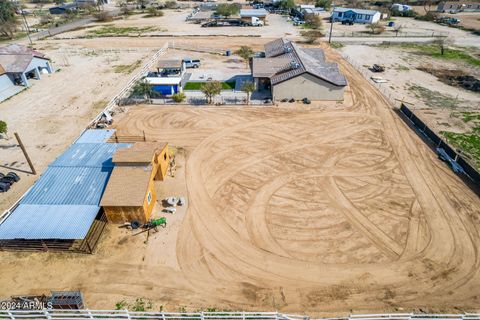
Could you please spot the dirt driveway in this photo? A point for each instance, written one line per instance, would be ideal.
(320, 211)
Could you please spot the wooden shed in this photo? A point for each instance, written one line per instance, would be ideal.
(130, 192)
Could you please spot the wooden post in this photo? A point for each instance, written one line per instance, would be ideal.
(25, 153)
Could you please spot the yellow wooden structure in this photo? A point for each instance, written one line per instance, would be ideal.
(130, 192)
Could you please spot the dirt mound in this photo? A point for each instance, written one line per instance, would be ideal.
(455, 78)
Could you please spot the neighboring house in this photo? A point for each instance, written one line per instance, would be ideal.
(248, 15)
(315, 10)
(401, 7)
(167, 79)
(18, 65)
(84, 3)
(355, 15)
(457, 6)
(289, 71)
(63, 9)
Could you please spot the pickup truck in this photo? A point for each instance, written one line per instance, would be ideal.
(189, 63)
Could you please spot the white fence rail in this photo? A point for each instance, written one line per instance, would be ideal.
(124, 92)
(125, 314)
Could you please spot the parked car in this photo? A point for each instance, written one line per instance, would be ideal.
(190, 63)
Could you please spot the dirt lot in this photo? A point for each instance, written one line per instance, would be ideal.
(434, 100)
(173, 23)
(52, 113)
(324, 210)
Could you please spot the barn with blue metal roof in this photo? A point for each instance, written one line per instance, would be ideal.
(63, 206)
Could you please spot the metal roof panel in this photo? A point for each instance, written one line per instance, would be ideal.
(88, 155)
(69, 185)
(95, 136)
(66, 222)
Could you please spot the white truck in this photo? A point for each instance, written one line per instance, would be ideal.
(256, 22)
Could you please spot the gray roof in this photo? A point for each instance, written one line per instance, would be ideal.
(275, 47)
(15, 58)
(63, 203)
(360, 11)
(48, 222)
(253, 13)
(301, 60)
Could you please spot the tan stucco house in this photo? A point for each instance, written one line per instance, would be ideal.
(289, 71)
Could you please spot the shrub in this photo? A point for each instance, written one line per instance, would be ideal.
(179, 97)
(154, 12)
(3, 127)
(171, 4)
(103, 16)
(313, 21)
(312, 35)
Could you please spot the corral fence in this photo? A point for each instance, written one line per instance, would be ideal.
(125, 314)
(125, 91)
(436, 141)
(177, 45)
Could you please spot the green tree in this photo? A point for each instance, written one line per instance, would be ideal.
(3, 127)
(143, 88)
(228, 9)
(245, 52)
(326, 4)
(313, 21)
(8, 19)
(248, 87)
(211, 89)
(287, 4)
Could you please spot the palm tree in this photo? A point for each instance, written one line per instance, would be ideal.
(248, 87)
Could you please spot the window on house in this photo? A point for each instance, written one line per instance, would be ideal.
(149, 197)
(367, 17)
(340, 14)
(359, 17)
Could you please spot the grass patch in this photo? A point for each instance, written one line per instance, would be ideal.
(109, 31)
(434, 99)
(433, 51)
(469, 143)
(127, 68)
(228, 85)
(336, 45)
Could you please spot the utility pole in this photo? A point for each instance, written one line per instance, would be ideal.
(331, 24)
(20, 143)
(26, 25)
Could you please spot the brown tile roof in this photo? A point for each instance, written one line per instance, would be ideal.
(127, 187)
(169, 64)
(140, 152)
(301, 60)
(15, 58)
(268, 67)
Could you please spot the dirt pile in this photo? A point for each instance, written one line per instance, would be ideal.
(455, 78)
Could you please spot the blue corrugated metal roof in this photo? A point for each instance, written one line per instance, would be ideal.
(63, 203)
(95, 136)
(69, 185)
(48, 222)
(88, 155)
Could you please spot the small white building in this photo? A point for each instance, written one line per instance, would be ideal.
(19, 64)
(167, 79)
(401, 7)
(355, 15)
